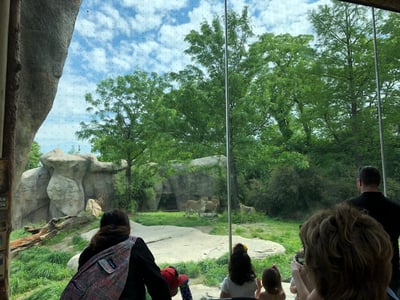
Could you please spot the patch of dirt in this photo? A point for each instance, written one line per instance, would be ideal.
(204, 229)
(64, 245)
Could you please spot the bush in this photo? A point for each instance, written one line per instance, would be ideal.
(293, 192)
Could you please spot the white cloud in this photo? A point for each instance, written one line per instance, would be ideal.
(206, 11)
(86, 28)
(97, 60)
(144, 23)
(155, 5)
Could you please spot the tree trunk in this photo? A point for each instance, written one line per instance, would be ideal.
(51, 229)
(9, 74)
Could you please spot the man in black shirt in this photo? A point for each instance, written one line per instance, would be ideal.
(383, 210)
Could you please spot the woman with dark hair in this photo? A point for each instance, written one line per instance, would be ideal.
(143, 271)
(241, 281)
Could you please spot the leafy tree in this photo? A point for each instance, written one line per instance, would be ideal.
(343, 37)
(34, 156)
(200, 97)
(127, 120)
(284, 90)
(388, 32)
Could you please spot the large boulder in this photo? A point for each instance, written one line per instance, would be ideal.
(31, 197)
(65, 185)
(62, 187)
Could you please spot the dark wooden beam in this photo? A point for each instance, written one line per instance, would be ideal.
(392, 5)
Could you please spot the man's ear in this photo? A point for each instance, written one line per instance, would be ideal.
(359, 183)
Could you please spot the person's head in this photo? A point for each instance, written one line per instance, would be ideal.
(240, 267)
(113, 223)
(271, 280)
(347, 254)
(114, 218)
(174, 279)
(369, 179)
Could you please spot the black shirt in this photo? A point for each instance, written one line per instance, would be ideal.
(387, 213)
(143, 270)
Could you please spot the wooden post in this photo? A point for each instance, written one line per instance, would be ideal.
(5, 229)
(9, 70)
(4, 21)
(4, 183)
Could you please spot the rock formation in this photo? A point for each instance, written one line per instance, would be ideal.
(66, 182)
(46, 29)
(62, 187)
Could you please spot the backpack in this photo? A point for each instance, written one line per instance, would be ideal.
(103, 276)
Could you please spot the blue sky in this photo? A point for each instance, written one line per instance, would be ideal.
(117, 37)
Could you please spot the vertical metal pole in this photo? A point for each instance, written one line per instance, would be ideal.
(378, 96)
(228, 171)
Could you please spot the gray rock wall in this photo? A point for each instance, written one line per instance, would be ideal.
(46, 29)
(62, 187)
(199, 178)
(67, 181)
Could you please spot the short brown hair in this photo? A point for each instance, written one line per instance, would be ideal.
(347, 253)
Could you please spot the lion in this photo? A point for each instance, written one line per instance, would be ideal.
(195, 206)
(212, 205)
(247, 209)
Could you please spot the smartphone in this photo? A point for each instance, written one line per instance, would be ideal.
(299, 258)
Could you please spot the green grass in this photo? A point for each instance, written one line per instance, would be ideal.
(40, 272)
(36, 269)
(248, 226)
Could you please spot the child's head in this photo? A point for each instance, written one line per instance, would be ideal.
(240, 266)
(239, 248)
(271, 280)
(174, 279)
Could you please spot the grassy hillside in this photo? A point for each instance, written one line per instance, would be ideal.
(41, 273)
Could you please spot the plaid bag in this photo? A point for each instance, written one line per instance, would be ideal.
(103, 276)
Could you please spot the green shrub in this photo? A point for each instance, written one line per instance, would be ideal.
(293, 192)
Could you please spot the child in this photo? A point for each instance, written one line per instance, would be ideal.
(175, 281)
(271, 281)
(241, 281)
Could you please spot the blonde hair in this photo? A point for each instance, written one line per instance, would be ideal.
(347, 253)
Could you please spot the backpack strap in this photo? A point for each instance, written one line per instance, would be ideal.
(117, 248)
(103, 276)
(392, 294)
